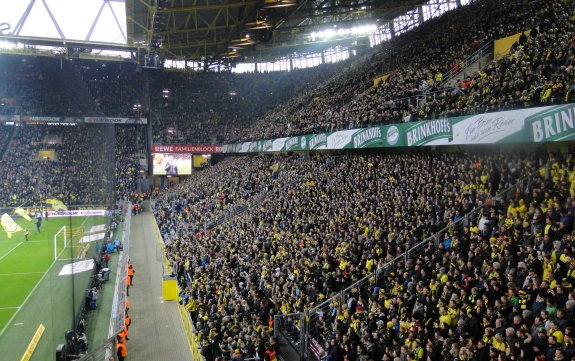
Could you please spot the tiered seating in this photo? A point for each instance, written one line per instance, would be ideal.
(205, 108)
(130, 143)
(43, 86)
(420, 56)
(81, 173)
(345, 217)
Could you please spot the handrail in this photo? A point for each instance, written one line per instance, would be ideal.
(471, 59)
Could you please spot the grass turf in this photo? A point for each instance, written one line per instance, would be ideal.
(32, 292)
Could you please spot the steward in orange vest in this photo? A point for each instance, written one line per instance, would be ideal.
(270, 354)
(121, 351)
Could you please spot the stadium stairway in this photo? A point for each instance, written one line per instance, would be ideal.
(475, 62)
(157, 333)
(5, 146)
(244, 207)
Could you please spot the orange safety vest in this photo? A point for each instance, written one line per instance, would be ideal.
(128, 282)
(127, 304)
(131, 271)
(121, 348)
(128, 322)
(271, 354)
(122, 336)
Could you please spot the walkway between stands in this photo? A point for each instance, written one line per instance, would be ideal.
(157, 333)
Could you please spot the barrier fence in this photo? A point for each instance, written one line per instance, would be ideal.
(190, 333)
(106, 351)
(307, 332)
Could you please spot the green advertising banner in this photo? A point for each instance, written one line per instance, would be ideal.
(553, 125)
(532, 125)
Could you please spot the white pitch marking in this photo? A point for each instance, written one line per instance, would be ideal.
(10, 251)
(21, 274)
(31, 292)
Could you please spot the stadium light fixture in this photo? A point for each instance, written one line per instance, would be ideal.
(273, 4)
(327, 34)
(241, 42)
(257, 25)
(230, 54)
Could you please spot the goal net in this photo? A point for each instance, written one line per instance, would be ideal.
(68, 243)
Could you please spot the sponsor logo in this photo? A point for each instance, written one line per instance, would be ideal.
(392, 135)
(558, 124)
(318, 141)
(163, 148)
(116, 120)
(367, 137)
(268, 144)
(44, 119)
(339, 140)
(278, 144)
(484, 127)
(292, 142)
(94, 212)
(188, 148)
(303, 142)
(425, 132)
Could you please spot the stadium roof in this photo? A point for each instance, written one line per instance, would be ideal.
(209, 32)
(216, 29)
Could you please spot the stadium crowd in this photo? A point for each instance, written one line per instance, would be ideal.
(118, 89)
(225, 107)
(69, 163)
(222, 188)
(130, 145)
(537, 71)
(486, 286)
(203, 108)
(43, 86)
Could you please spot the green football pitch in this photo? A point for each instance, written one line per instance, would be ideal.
(32, 291)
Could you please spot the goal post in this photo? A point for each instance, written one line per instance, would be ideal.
(60, 237)
(67, 237)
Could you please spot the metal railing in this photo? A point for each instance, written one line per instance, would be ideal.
(469, 61)
(119, 304)
(308, 339)
(106, 351)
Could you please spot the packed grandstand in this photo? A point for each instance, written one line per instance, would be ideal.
(459, 253)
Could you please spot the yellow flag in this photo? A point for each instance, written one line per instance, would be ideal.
(22, 213)
(9, 225)
(57, 204)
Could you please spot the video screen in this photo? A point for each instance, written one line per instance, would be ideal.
(38, 19)
(171, 164)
